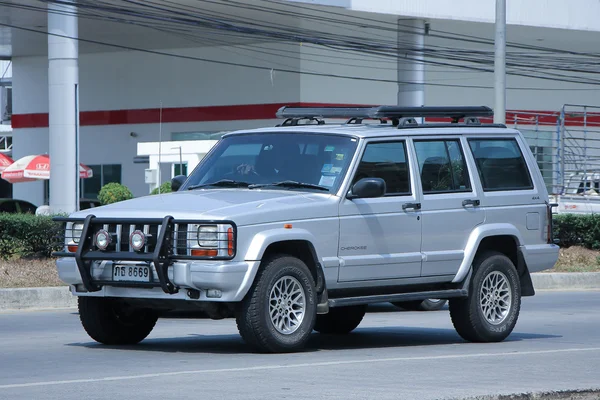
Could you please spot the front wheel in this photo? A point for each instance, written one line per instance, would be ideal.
(278, 313)
(111, 321)
(491, 311)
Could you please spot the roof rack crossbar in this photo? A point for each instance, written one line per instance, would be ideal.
(381, 112)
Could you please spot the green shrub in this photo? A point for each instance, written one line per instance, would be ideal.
(113, 193)
(27, 235)
(164, 188)
(575, 229)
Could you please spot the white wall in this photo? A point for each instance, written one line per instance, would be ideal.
(579, 14)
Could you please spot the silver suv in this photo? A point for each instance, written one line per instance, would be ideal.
(299, 227)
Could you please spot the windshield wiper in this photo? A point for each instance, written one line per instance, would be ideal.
(222, 183)
(292, 184)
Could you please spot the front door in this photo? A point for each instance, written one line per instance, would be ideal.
(380, 238)
(450, 205)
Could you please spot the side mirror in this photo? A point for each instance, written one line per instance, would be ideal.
(367, 188)
(177, 181)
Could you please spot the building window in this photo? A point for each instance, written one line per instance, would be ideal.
(180, 169)
(103, 174)
(89, 188)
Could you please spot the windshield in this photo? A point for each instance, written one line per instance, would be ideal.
(276, 158)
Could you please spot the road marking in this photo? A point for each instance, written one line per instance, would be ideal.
(288, 366)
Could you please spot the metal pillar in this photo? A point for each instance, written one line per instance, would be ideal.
(411, 69)
(500, 63)
(63, 80)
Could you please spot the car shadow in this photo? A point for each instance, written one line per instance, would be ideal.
(361, 338)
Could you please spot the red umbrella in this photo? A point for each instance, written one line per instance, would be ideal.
(31, 168)
(5, 161)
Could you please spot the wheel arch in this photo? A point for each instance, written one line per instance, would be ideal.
(298, 243)
(503, 238)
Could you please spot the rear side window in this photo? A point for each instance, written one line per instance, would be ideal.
(442, 166)
(500, 164)
(386, 160)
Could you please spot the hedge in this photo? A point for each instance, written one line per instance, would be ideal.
(577, 229)
(27, 235)
(164, 188)
(113, 193)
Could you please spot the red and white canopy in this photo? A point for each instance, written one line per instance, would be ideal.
(5, 161)
(31, 168)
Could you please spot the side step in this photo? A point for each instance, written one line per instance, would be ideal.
(382, 298)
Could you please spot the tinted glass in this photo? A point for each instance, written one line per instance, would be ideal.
(275, 157)
(388, 162)
(500, 164)
(442, 166)
(27, 207)
(9, 207)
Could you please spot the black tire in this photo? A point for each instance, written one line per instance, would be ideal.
(253, 314)
(422, 305)
(110, 321)
(467, 314)
(340, 320)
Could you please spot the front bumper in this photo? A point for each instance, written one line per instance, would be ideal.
(232, 279)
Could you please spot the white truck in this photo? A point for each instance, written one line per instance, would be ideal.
(581, 194)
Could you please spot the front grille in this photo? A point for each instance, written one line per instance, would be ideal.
(181, 240)
(121, 233)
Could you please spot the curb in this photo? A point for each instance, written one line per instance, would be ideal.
(61, 297)
(36, 298)
(566, 280)
(591, 394)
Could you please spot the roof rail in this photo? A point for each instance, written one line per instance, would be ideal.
(380, 112)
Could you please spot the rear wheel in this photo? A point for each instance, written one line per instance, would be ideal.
(422, 305)
(491, 311)
(340, 320)
(278, 313)
(111, 321)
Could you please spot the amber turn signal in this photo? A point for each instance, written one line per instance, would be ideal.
(204, 253)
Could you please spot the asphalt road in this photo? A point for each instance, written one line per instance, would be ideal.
(392, 355)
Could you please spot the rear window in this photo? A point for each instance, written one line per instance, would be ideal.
(500, 164)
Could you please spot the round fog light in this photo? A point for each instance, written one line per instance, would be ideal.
(102, 239)
(137, 240)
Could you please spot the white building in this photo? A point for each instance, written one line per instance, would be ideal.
(134, 74)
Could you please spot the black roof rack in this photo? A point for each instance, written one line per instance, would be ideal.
(395, 113)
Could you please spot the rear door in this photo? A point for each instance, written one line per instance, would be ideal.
(451, 203)
(380, 238)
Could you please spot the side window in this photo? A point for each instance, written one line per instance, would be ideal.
(9, 206)
(442, 166)
(388, 161)
(500, 164)
(27, 208)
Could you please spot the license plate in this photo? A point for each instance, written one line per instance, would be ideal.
(132, 273)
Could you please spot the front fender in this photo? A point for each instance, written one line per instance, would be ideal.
(478, 234)
(262, 240)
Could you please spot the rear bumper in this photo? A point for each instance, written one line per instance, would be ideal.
(233, 279)
(540, 257)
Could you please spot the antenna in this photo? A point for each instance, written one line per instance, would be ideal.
(159, 145)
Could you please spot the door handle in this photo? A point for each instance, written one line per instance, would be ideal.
(414, 206)
(470, 202)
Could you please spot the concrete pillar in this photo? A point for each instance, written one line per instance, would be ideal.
(410, 65)
(63, 80)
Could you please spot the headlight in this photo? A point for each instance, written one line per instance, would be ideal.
(208, 236)
(137, 240)
(76, 231)
(103, 239)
